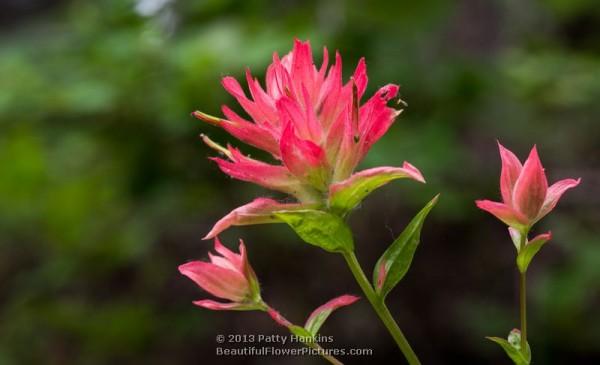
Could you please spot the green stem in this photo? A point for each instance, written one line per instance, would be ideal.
(523, 307)
(327, 357)
(523, 296)
(380, 308)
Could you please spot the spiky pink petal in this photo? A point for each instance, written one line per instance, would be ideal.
(234, 259)
(531, 186)
(503, 212)
(219, 281)
(302, 68)
(303, 158)
(250, 133)
(360, 77)
(235, 89)
(262, 136)
(264, 102)
(334, 98)
(273, 177)
(511, 169)
(555, 191)
(258, 211)
(376, 117)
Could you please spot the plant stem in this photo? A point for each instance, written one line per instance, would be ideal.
(523, 307)
(380, 308)
(523, 296)
(326, 356)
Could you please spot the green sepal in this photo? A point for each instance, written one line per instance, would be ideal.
(396, 260)
(301, 332)
(319, 228)
(529, 250)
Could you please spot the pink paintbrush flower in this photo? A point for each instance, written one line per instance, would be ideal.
(316, 129)
(526, 197)
(228, 276)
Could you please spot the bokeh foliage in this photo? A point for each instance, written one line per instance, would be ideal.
(105, 189)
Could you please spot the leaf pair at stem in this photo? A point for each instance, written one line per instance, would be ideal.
(330, 232)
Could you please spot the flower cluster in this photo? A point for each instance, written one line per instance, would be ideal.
(316, 129)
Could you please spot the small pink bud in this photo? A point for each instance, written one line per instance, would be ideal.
(526, 197)
(227, 276)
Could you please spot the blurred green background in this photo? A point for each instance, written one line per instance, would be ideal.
(105, 188)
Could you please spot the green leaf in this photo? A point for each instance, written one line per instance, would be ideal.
(320, 315)
(315, 323)
(530, 250)
(300, 332)
(512, 347)
(345, 195)
(319, 228)
(395, 261)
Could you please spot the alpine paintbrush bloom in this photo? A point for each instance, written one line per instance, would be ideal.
(526, 197)
(228, 276)
(316, 129)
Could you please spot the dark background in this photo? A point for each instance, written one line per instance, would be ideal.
(105, 188)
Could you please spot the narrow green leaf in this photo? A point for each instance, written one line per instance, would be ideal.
(513, 352)
(319, 228)
(395, 261)
(315, 323)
